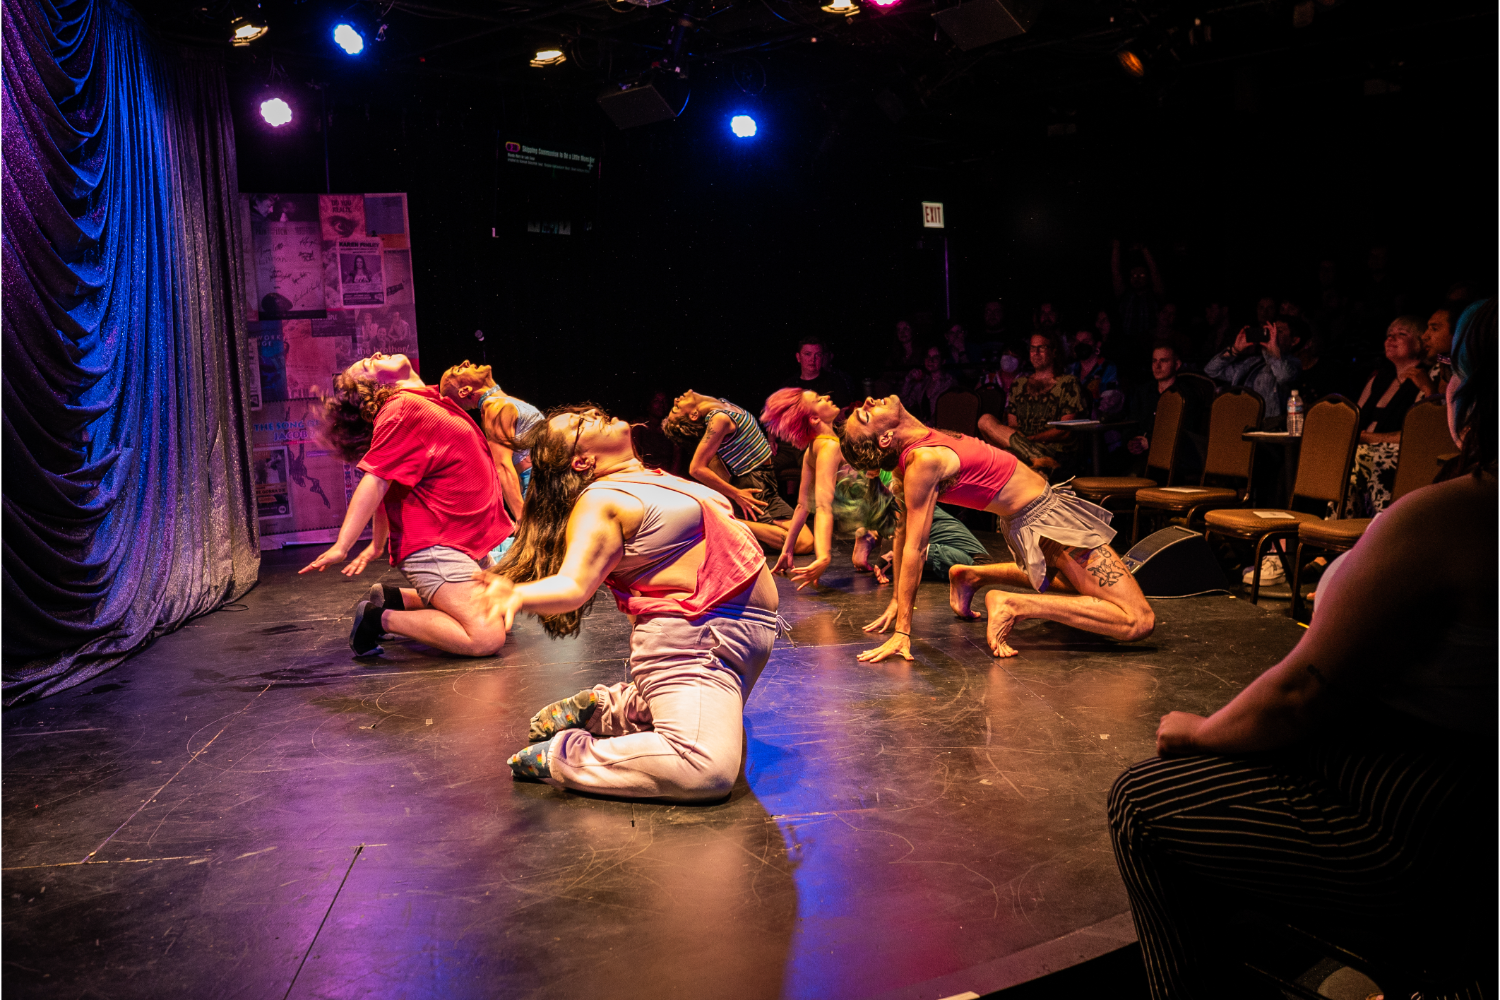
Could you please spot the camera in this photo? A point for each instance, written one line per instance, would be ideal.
(1258, 334)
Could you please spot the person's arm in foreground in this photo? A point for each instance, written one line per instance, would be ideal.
(719, 426)
(500, 425)
(916, 497)
(826, 458)
(368, 496)
(595, 543)
(1366, 617)
(805, 491)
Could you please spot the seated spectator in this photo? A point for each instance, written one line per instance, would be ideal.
(1098, 376)
(1264, 359)
(956, 348)
(1350, 789)
(815, 374)
(1391, 390)
(994, 322)
(1164, 368)
(1043, 395)
(904, 353)
(1044, 318)
(1102, 329)
(920, 392)
(995, 381)
(1166, 332)
(1437, 341)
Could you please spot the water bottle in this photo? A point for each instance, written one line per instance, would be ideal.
(1294, 411)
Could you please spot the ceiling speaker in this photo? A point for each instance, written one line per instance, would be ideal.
(646, 102)
(980, 22)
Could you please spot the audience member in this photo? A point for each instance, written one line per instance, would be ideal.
(1165, 364)
(1044, 394)
(1212, 333)
(994, 322)
(904, 354)
(1437, 341)
(995, 381)
(1044, 319)
(1350, 789)
(1263, 359)
(924, 385)
(1391, 390)
(1098, 376)
(815, 373)
(1139, 300)
(956, 349)
(1166, 332)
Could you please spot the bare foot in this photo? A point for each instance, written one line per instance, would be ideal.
(962, 582)
(1002, 619)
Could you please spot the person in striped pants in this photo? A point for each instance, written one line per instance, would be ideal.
(1350, 789)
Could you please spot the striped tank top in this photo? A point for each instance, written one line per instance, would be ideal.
(527, 417)
(746, 447)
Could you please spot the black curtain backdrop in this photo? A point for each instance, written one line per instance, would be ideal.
(128, 507)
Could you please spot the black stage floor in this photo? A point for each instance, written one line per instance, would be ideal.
(243, 810)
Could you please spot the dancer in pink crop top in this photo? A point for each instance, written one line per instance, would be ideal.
(701, 599)
(1050, 531)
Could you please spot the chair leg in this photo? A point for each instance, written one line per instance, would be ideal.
(1297, 582)
(1135, 526)
(1260, 547)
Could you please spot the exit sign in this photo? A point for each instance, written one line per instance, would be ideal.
(932, 215)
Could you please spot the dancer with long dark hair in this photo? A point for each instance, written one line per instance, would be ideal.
(1049, 530)
(701, 600)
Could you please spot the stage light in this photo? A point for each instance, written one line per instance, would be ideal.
(845, 7)
(243, 31)
(742, 126)
(885, 3)
(1131, 63)
(348, 39)
(550, 56)
(276, 112)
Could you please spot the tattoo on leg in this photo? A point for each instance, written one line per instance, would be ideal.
(1104, 566)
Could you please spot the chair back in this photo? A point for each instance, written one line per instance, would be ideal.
(1166, 433)
(1236, 411)
(957, 411)
(1424, 436)
(1329, 436)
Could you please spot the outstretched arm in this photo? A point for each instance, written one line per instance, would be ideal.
(596, 541)
(368, 495)
(827, 458)
(915, 500)
(805, 493)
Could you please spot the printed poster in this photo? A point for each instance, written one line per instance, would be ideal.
(286, 249)
(361, 276)
(342, 215)
(271, 496)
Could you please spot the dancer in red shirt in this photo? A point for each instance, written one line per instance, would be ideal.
(695, 584)
(1049, 530)
(431, 487)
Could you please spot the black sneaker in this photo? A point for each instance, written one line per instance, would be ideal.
(383, 595)
(364, 637)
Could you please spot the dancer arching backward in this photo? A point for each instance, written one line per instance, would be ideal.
(804, 419)
(701, 600)
(732, 455)
(428, 470)
(503, 418)
(865, 509)
(1048, 530)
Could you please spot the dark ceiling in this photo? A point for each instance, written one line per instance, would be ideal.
(894, 60)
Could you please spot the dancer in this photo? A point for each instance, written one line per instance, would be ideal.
(804, 420)
(503, 418)
(444, 515)
(1048, 530)
(731, 455)
(865, 509)
(695, 583)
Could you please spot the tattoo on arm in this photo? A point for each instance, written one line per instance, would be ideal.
(1104, 566)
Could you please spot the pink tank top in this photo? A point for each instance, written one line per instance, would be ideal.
(732, 556)
(983, 470)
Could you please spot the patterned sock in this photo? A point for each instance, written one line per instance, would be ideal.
(531, 764)
(364, 637)
(570, 713)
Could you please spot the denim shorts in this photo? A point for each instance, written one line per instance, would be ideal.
(430, 568)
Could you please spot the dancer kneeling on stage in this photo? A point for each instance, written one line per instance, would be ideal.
(427, 470)
(503, 418)
(701, 600)
(804, 420)
(1048, 530)
(731, 455)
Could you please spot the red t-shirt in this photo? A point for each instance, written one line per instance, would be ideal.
(444, 488)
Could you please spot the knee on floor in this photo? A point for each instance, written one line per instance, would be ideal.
(707, 784)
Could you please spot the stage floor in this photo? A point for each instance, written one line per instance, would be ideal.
(244, 810)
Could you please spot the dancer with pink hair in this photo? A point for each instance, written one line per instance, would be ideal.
(804, 420)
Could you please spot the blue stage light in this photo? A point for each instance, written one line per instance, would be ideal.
(742, 126)
(349, 39)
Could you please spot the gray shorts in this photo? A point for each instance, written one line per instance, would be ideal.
(430, 568)
(1061, 516)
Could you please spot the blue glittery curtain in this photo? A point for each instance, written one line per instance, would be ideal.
(128, 507)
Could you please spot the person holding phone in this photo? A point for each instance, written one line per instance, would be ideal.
(1263, 358)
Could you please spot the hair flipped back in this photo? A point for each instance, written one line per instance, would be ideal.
(788, 418)
(542, 539)
(347, 418)
(866, 455)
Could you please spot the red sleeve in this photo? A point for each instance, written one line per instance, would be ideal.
(398, 452)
